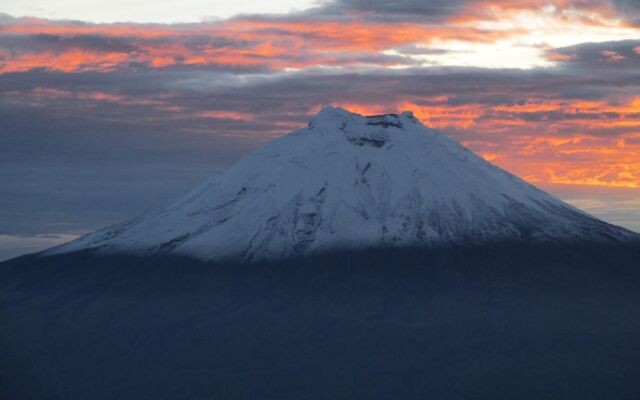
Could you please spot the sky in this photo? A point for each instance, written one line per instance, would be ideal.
(109, 110)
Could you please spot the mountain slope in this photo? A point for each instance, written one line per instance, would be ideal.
(347, 182)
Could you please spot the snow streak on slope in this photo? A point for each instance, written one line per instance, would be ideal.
(350, 181)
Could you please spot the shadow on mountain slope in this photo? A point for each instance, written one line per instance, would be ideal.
(500, 321)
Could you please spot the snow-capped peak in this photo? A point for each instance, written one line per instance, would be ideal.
(336, 116)
(349, 181)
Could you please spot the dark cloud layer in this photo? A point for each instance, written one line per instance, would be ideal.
(441, 11)
(609, 57)
(75, 173)
(629, 9)
(427, 11)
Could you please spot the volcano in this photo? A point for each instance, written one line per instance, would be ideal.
(348, 182)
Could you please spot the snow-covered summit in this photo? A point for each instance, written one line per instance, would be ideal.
(349, 181)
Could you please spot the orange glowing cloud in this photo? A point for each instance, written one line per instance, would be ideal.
(612, 56)
(275, 44)
(595, 13)
(298, 42)
(73, 60)
(229, 115)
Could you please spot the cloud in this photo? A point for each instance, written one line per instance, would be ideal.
(618, 55)
(470, 11)
(337, 34)
(629, 10)
(431, 11)
(250, 44)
